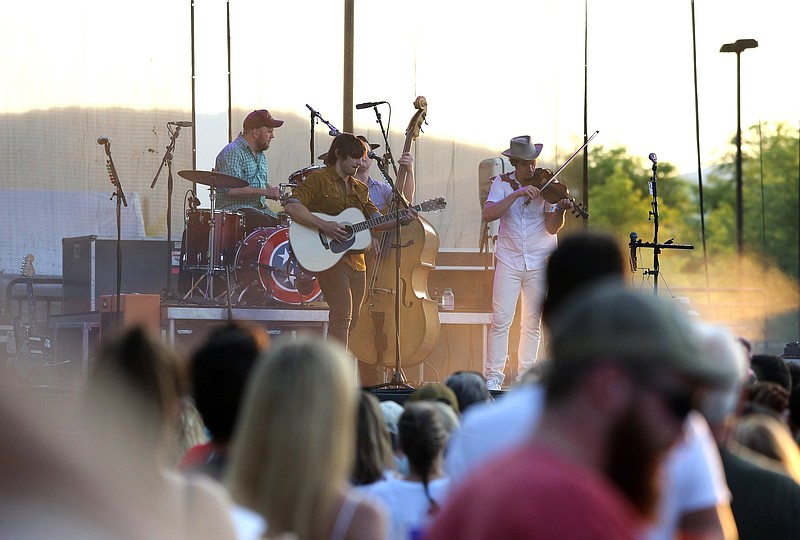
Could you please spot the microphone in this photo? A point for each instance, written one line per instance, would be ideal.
(653, 158)
(368, 104)
(310, 108)
(104, 140)
(180, 124)
(193, 200)
(633, 244)
(372, 155)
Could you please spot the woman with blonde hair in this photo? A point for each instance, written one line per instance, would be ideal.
(294, 445)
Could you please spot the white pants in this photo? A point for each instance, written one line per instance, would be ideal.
(507, 286)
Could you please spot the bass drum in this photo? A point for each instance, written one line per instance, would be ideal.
(266, 269)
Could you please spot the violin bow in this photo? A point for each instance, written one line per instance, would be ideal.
(584, 145)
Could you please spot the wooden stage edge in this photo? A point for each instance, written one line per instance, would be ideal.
(309, 315)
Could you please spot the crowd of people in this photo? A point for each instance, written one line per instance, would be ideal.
(637, 421)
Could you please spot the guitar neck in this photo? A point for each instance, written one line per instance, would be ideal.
(31, 308)
(374, 222)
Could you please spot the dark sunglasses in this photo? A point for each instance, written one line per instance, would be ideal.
(680, 399)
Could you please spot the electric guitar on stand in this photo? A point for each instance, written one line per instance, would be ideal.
(33, 350)
(316, 252)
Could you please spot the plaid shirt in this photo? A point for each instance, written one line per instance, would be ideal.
(237, 159)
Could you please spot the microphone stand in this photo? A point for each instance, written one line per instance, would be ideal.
(398, 202)
(120, 195)
(634, 244)
(167, 159)
(388, 155)
(333, 131)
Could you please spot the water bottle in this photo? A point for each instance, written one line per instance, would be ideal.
(448, 300)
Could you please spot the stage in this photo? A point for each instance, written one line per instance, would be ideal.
(461, 344)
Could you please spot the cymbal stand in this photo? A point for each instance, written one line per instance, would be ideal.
(167, 159)
(211, 253)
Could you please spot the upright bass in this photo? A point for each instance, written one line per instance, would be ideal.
(374, 337)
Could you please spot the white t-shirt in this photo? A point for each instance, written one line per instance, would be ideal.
(406, 503)
(693, 478)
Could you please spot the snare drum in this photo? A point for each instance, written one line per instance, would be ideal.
(228, 232)
(266, 268)
(298, 177)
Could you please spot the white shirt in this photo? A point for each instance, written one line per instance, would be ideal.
(406, 503)
(523, 242)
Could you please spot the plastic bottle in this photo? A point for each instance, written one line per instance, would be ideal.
(448, 300)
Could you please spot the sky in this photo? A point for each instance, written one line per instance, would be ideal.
(490, 72)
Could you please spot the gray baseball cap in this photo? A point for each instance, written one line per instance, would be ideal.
(613, 322)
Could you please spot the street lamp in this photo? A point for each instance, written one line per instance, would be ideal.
(737, 47)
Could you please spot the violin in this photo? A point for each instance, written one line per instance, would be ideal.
(553, 191)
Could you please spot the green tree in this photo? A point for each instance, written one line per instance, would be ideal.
(770, 205)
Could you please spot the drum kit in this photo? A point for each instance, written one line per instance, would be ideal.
(255, 260)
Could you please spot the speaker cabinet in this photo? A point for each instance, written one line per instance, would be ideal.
(89, 268)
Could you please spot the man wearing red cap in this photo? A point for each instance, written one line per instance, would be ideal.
(244, 158)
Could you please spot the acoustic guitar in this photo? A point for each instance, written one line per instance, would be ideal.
(316, 251)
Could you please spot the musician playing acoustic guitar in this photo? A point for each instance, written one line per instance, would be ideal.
(527, 236)
(330, 191)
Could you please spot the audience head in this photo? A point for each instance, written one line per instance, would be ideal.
(766, 397)
(580, 258)
(374, 453)
(771, 368)
(424, 429)
(391, 414)
(640, 354)
(718, 345)
(133, 395)
(435, 392)
(219, 372)
(469, 388)
(294, 444)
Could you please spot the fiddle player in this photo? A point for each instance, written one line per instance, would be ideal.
(330, 191)
(526, 237)
(244, 158)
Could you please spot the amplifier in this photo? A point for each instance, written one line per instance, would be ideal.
(134, 309)
(89, 268)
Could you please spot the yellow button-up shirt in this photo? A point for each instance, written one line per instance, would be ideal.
(326, 192)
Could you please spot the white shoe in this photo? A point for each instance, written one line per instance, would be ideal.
(493, 384)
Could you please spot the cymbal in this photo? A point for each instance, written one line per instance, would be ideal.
(215, 179)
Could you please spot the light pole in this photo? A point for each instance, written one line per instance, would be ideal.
(737, 47)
